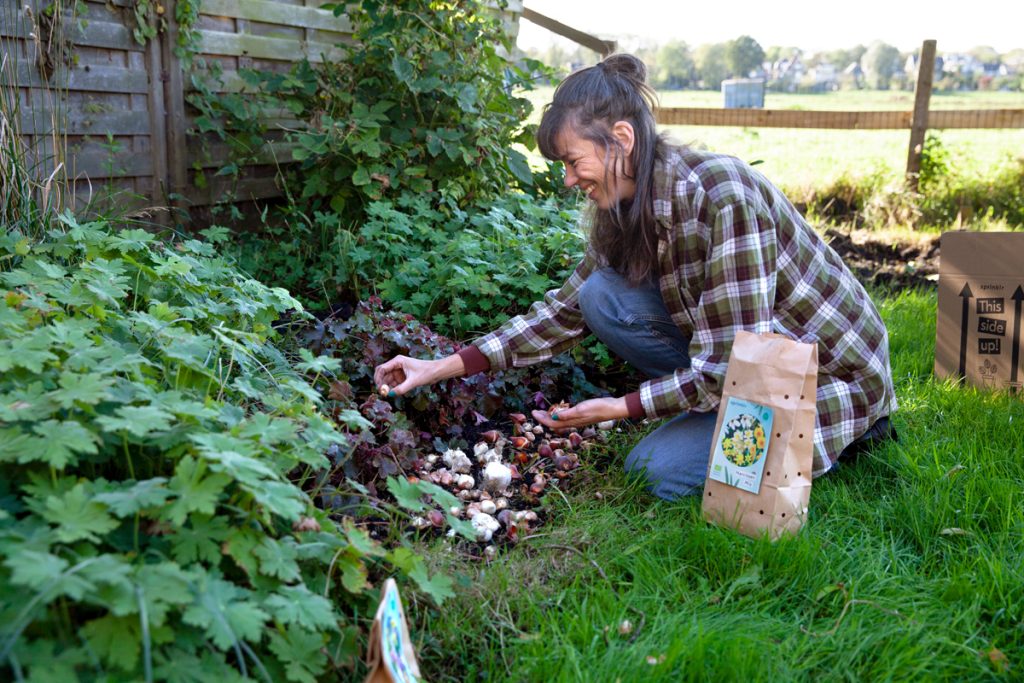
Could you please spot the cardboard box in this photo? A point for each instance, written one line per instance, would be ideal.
(981, 291)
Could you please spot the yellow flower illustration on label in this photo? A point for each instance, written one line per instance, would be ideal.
(744, 442)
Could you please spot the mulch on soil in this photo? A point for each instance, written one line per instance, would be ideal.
(888, 261)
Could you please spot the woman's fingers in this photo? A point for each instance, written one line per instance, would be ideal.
(582, 414)
(391, 373)
(565, 418)
(402, 374)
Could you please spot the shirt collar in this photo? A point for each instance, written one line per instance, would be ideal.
(663, 181)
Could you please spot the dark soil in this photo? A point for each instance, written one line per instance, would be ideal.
(886, 261)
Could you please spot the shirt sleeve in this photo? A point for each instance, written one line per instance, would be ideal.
(551, 326)
(738, 294)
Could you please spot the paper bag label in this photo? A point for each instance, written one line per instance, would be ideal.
(739, 455)
(392, 647)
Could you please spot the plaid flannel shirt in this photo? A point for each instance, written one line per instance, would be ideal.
(733, 254)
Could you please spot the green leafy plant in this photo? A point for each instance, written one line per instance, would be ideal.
(155, 443)
(952, 194)
(462, 273)
(421, 101)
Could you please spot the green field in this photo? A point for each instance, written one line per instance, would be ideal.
(910, 568)
(797, 159)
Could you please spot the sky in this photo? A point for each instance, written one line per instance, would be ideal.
(811, 25)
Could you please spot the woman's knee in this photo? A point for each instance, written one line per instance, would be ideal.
(673, 459)
(666, 478)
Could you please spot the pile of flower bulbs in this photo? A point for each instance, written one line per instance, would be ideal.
(504, 477)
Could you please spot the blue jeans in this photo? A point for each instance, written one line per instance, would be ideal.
(634, 323)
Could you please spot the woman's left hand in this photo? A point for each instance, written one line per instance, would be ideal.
(582, 414)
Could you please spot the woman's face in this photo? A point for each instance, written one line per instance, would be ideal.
(606, 182)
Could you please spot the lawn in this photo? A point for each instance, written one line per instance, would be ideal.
(910, 567)
(797, 159)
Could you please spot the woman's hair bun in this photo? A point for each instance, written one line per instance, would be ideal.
(626, 65)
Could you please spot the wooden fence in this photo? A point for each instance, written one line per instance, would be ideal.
(118, 109)
(917, 121)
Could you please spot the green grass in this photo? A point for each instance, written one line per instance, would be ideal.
(871, 589)
(797, 159)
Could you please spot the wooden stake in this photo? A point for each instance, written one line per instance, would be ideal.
(919, 121)
(602, 47)
(173, 78)
(157, 122)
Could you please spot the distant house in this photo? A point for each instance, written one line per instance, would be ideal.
(763, 72)
(993, 69)
(852, 76)
(961, 64)
(910, 68)
(824, 76)
(787, 73)
(1014, 63)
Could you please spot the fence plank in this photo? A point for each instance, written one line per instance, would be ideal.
(277, 13)
(103, 34)
(261, 47)
(96, 161)
(217, 154)
(221, 188)
(976, 118)
(89, 78)
(784, 118)
(39, 122)
(841, 120)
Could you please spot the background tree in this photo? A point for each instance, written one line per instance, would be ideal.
(1014, 58)
(672, 66)
(843, 58)
(777, 52)
(984, 54)
(743, 55)
(563, 56)
(881, 62)
(712, 64)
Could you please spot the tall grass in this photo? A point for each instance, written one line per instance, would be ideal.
(33, 177)
(910, 568)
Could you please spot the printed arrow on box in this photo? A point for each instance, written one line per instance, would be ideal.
(966, 294)
(1017, 297)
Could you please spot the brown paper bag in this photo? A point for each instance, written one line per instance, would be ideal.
(764, 437)
(391, 657)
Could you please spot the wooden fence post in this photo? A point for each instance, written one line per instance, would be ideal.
(174, 102)
(157, 121)
(602, 47)
(919, 122)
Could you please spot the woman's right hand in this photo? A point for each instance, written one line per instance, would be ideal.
(403, 374)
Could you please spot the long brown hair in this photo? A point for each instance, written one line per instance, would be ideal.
(591, 100)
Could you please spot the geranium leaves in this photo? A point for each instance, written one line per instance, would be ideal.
(78, 516)
(150, 429)
(196, 491)
(277, 558)
(226, 613)
(297, 605)
(139, 421)
(133, 497)
(81, 388)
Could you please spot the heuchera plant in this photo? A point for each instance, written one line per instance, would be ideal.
(449, 413)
